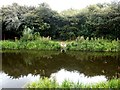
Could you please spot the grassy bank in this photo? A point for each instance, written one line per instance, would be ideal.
(80, 44)
(47, 83)
(41, 44)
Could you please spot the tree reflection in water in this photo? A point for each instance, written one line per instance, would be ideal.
(22, 63)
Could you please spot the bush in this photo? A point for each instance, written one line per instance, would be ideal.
(9, 45)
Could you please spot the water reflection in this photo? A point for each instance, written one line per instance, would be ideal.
(10, 82)
(76, 76)
(87, 66)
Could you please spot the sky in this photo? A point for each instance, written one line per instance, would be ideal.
(58, 5)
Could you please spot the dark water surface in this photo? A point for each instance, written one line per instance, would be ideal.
(21, 67)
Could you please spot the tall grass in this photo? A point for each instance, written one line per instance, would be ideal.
(48, 83)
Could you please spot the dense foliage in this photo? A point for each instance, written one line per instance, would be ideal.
(99, 20)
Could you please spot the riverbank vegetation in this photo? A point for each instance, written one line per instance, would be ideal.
(95, 44)
(36, 45)
(48, 83)
(80, 44)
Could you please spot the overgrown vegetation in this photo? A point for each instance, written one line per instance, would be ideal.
(37, 44)
(48, 83)
(34, 41)
(30, 41)
(26, 24)
(95, 44)
(99, 20)
(81, 44)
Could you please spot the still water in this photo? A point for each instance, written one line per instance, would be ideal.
(22, 67)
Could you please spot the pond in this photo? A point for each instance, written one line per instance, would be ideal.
(20, 67)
